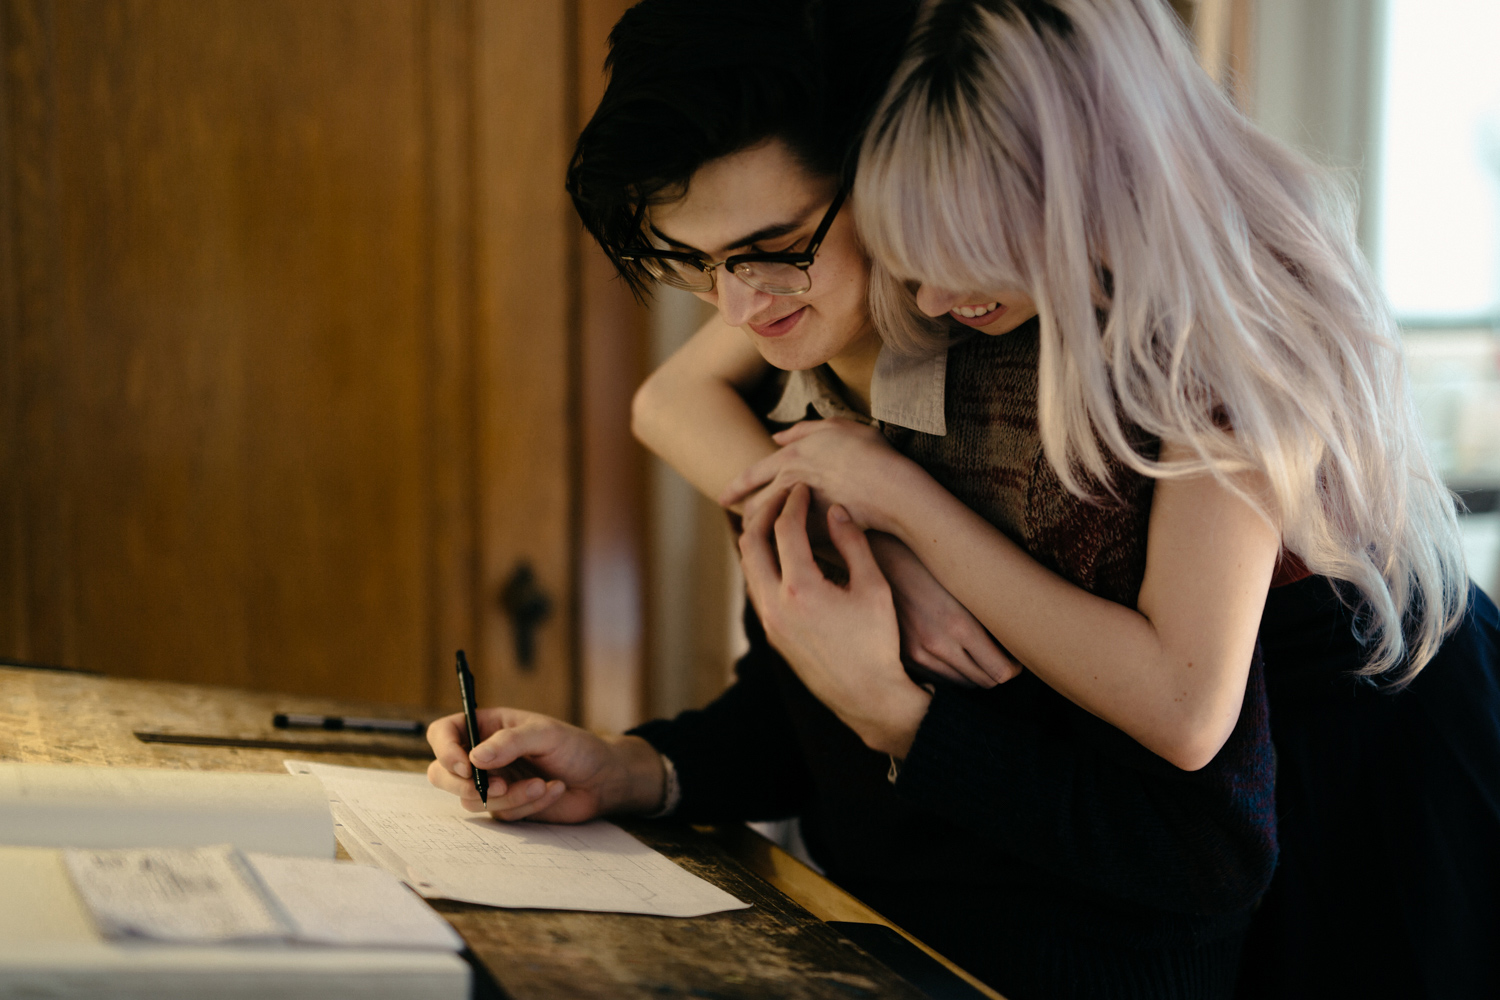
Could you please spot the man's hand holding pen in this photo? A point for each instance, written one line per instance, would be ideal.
(545, 769)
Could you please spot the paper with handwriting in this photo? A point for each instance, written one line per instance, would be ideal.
(396, 820)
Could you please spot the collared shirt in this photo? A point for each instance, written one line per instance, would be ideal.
(908, 392)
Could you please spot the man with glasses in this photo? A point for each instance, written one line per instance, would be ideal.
(717, 162)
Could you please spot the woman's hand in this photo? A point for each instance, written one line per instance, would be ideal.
(938, 634)
(542, 768)
(843, 642)
(844, 462)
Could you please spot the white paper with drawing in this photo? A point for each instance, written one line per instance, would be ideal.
(398, 821)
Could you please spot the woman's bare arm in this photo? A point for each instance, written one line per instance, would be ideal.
(1171, 672)
(691, 413)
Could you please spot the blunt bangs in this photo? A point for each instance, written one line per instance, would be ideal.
(926, 198)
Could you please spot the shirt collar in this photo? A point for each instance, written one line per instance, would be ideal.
(905, 391)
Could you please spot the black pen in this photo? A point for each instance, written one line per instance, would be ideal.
(471, 720)
(334, 723)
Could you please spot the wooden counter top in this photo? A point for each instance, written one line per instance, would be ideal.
(780, 947)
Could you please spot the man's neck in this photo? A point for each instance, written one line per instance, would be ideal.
(855, 370)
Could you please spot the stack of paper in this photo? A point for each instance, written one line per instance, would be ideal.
(69, 805)
(115, 894)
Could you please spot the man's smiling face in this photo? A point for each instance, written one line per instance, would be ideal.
(762, 199)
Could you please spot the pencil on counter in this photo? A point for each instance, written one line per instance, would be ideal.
(337, 723)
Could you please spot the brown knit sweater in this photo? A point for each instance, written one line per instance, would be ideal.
(991, 459)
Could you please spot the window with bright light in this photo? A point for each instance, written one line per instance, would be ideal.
(1438, 248)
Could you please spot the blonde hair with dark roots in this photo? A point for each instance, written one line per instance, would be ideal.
(1194, 278)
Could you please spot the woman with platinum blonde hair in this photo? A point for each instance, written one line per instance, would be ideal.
(1193, 277)
(1197, 281)
(1203, 320)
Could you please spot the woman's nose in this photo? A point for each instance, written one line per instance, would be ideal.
(935, 301)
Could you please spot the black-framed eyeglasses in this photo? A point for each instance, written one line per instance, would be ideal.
(774, 273)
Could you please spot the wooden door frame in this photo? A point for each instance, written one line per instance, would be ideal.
(595, 332)
(613, 345)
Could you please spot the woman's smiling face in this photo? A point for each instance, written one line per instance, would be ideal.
(993, 313)
(762, 200)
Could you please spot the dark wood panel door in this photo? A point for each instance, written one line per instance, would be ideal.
(288, 354)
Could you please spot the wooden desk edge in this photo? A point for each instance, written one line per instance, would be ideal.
(814, 892)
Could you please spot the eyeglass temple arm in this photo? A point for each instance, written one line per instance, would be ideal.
(827, 223)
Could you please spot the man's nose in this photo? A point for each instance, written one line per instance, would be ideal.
(737, 301)
(935, 301)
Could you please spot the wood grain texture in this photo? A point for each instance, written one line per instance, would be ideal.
(12, 534)
(524, 252)
(70, 718)
(613, 349)
(289, 349)
(219, 258)
(452, 453)
(611, 570)
(774, 949)
(43, 592)
(255, 433)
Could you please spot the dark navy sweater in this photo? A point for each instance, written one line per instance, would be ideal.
(1035, 845)
(1389, 811)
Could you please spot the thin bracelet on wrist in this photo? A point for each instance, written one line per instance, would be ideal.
(671, 791)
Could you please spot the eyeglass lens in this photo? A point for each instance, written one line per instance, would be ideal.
(765, 276)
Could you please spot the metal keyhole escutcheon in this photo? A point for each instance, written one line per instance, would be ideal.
(527, 606)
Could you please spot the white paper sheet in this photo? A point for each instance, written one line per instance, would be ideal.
(337, 903)
(400, 822)
(71, 805)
